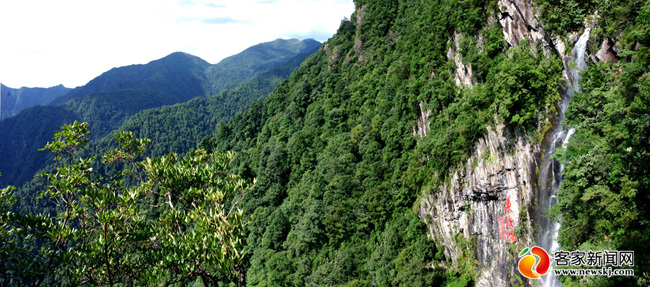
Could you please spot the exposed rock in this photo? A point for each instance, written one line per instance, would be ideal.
(559, 46)
(361, 11)
(333, 53)
(606, 53)
(464, 75)
(617, 48)
(334, 56)
(519, 21)
(422, 128)
(501, 167)
(357, 46)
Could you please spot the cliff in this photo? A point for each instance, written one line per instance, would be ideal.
(501, 187)
(501, 168)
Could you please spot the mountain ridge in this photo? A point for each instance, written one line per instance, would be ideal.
(111, 98)
(406, 152)
(13, 101)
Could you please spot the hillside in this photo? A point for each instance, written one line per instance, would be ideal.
(107, 101)
(180, 128)
(428, 143)
(386, 158)
(254, 60)
(12, 101)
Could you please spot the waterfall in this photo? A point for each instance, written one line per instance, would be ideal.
(550, 175)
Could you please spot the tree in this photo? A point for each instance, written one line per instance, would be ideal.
(160, 220)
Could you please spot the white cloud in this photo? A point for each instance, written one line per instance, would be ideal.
(69, 42)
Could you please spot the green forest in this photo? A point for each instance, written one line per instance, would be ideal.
(111, 99)
(308, 171)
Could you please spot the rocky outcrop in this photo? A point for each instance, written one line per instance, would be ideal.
(361, 11)
(473, 203)
(464, 75)
(422, 128)
(501, 169)
(334, 54)
(606, 52)
(519, 22)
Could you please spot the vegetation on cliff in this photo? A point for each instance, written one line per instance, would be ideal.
(339, 166)
(605, 195)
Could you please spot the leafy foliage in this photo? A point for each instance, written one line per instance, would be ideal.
(339, 170)
(172, 227)
(109, 100)
(606, 188)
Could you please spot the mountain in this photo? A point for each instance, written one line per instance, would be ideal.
(110, 99)
(174, 78)
(428, 143)
(12, 101)
(185, 70)
(245, 65)
(180, 127)
(176, 128)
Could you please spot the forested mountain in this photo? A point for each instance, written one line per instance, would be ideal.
(176, 77)
(390, 157)
(254, 60)
(12, 101)
(107, 101)
(181, 127)
(177, 128)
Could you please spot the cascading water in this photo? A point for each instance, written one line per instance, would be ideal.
(551, 171)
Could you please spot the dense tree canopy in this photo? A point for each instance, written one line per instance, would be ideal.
(179, 224)
(338, 165)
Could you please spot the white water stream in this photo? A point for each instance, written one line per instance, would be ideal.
(551, 171)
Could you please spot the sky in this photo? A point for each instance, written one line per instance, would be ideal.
(44, 43)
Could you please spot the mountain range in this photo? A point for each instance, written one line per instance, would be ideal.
(110, 99)
(427, 143)
(13, 101)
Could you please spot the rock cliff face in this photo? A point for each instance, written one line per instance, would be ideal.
(496, 190)
(519, 22)
(500, 170)
(464, 74)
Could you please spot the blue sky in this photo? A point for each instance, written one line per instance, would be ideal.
(46, 43)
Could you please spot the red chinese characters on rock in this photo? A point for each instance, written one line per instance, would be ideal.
(505, 224)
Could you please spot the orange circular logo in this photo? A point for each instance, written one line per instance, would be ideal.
(527, 263)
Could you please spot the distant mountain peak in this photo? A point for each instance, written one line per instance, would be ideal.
(258, 58)
(184, 56)
(181, 60)
(13, 101)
